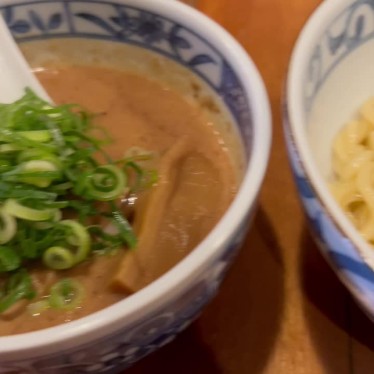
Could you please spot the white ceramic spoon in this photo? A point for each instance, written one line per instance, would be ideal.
(15, 73)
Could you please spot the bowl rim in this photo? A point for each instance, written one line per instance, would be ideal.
(105, 322)
(322, 16)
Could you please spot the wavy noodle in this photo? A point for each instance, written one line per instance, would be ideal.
(353, 166)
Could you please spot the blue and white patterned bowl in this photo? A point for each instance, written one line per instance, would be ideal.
(331, 74)
(116, 337)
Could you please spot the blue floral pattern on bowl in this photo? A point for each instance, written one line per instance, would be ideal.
(107, 20)
(111, 21)
(119, 351)
(348, 31)
(353, 27)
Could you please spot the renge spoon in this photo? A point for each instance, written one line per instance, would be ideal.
(15, 73)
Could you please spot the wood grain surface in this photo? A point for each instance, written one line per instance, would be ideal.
(281, 309)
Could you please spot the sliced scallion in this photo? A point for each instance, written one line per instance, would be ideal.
(17, 287)
(8, 227)
(15, 209)
(79, 237)
(66, 294)
(50, 171)
(9, 259)
(59, 258)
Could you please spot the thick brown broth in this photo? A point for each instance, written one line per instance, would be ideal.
(137, 111)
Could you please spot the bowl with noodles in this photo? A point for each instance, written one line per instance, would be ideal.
(329, 129)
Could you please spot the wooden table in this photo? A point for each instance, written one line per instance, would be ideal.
(281, 309)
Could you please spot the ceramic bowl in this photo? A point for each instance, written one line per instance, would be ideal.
(330, 76)
(116, 337)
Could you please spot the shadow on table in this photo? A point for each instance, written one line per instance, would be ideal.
(335, 322)
(237, 331)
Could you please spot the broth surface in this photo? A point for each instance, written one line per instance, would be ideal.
(141, 112)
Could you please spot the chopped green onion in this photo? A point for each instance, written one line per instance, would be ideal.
(36, 135)
(34, 166)
(66, 294)
(9, 259)
(8, 227)
(17, 287)
(125, 229)
(106, 183)
(50, 170)
(13, 208)
(79, 237)
(7, 148)
(59, 258)
(39, 155)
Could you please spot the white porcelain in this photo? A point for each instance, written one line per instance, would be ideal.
(15, 74)
(114, 338)
(330, 75)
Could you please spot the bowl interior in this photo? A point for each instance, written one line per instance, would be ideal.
(182, 34)
(330, 77)
(346, 87)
